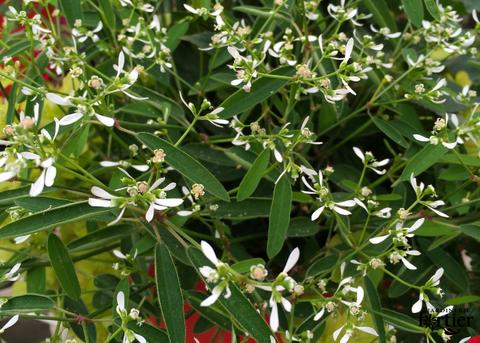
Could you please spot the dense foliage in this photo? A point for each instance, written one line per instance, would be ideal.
(268, 171)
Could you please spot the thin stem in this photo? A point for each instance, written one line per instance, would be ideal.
(109, 339)
(187, 131)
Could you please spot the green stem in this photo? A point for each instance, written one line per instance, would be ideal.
(109, 339)
(186, 132)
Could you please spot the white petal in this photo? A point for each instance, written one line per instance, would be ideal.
(118, 218)
(377, 240)
(347, 203)
(50, 176)
(360, 294)
(319, 314)
(359, 153)
(413, 252)
(361, 204)
(101, 193)
(212, 298)
(317, 213)
(30, 155)
(99, 202)
(11, 322)
(205, 270)
(139, 338)
(278, 156)
(274, 317)
(142, 168)
(416, 225)
(7, 176)
(209, 252)
(170, 186)
(150, 212)
(341, 211)
(348, 49)
(173, 202)
(21, 239)
(37, 187)
(345, 338)
(57, 99)
(107, 121)
(121, 63)
(421, 138)
(70, 119)
(109, 164)
(286, 305)
(120, 301)
(337, 332)
(417, 307)
(292, 260)
(407, 264)
(441, 214)
(367, 329)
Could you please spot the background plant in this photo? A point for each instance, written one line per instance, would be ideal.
(314, 164)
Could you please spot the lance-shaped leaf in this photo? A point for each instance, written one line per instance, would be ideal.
(213, 314)
(52, 218)
(169, 294)
(433, 9)
(185, 164)
(279, 216)
(28, 303)
(100, 238)
(72, 10)
(390, 131)
(63, 266)
(414, 11)
(401, 321)
(37, 280)
(253, 176)
(237, 305)
(374, 303)
(262, 88)
(322, 265)
(107, 9)
(423, 160)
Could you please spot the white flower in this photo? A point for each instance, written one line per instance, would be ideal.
(334, 206)
(9, 276)
(340, 13)
(106, 200)
(9, 324)
(399, 233)
(207, 271)
(46, 178)
(84, 36)
(367, 160)
(202, 11)
(133, 76)
(107, 164)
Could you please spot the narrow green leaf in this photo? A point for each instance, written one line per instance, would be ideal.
(12, 99)
(72, 10)
(322, 265)
(444, 239)
(452, 269)
(247, 158)
(423, 160)
(50, 219)
(454, 173)
(262, 88)
(100, 238)
(471, 230)
(202, 325)
(433, 9)
(28, 303)
(433, 228)
(244, 266)
(467, 159)
(8, 196)
(388, 197)
(212, 313)
(158, 100)
(63, 266)
(381, 13)
(174, 33)
(253, 176)
(237, 305)
(250, 208)
(169, 294)
(107, 9)
(41, 204)
(185, 165)
(414, 11)
(463, 300)
(17, 48)
(264, 12)
(79, 307)
(401, 321)
(279, 216)
(390, 131)
(37, 280)
(374, 303)
(151, 333)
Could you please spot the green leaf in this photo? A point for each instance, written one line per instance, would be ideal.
(175, 32)
(414, 11)
(50, 219)
(63, 266)
(80, 308)
(302, 197)
(147, 331)
(8, 196)
(157, 100)
(12, 99)
(323, 264)
(185, 165)
(302, 227)
(409, 52)
(169, 294)
(452, 269)
(264, 12)
(374, 303)
(107, 9)
(41, 204)
(17, 48)
(72, 10)
(388, 197)
(423, 160)
(390, 131)
(471, 229)
(467, 159)
(444, 239)
(381, 13)
(454, 173)
(212, 313)
(100, 238)
(253, 176)
(247, 158)
(237, 305)
(37, 280)
(250, 208)
(462, 300)
(433, 9)
(28, 303)
(262, 88)
(206, 153)
(279, 216)
(243, 267)
(401, 321)
(433, 228)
